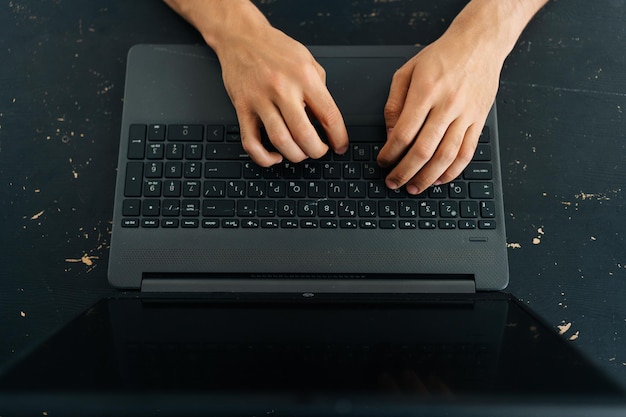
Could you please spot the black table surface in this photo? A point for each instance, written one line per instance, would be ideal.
(561, 112)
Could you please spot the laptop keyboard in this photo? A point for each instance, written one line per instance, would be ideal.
(199, 176)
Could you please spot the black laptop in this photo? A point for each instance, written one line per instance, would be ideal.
(300, 289)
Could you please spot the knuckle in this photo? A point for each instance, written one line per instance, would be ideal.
(422, 152)
(465, 156)
(449, 176)
(447, 155)
(280, 141)
(392, 108)
(402, 137)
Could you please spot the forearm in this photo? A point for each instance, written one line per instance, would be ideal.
(218, 21)
(496, 24)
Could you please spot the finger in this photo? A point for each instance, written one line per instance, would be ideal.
(466, 153)
(420, 151)
(251, 141)
(325, 110)
(302, 130)
(444, 156)
(403, 134)
(400, 84)
(279, 134)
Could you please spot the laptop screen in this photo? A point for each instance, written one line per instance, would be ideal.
(310, 351)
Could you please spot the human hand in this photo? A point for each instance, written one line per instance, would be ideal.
(437, 106)
(274, 81)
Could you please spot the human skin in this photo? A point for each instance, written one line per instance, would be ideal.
(437, 105)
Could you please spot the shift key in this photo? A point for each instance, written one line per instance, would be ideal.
(225, 151)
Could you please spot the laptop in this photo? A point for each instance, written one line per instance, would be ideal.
(233, 302)
(193, 213)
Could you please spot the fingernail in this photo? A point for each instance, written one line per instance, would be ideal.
(342, 150)
(391, 185)
(437, 182)
(411, 189)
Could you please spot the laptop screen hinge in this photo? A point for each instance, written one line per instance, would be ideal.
(364, 284)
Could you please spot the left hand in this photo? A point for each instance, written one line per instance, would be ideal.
(437, 106)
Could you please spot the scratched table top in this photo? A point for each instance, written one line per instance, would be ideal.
(561, 111)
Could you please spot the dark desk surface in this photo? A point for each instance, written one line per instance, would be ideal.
(561, 111)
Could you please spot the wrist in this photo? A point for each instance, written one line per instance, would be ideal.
(494, 24)
(221, 21)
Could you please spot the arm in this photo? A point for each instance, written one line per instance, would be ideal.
(271, 79)
(439, 100)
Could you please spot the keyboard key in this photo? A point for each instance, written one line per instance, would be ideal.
(222, 170)
(307, 208)
(286, 208)
(250, 224)
(230, 223)
(246, 208)
(308, 224)
(186, 133)
(481, 190)
(486, 224)
(215, 133)
(408, 224)
(190, 223)
(192, 169)
(407, 209)
(153, 170)
(468, 209)
(136, 141)
(483, 152)
(269, 224)
(478, 171)
(447, 224)
(329, 224)
(170, 223)
(289, 224)
(210, 223)
(448, 209)
(193, 151)
(173, 170)
(156, 133)
(131, 207)
(155, 151)
(467, 224)
(348, 224)
(134, 179)
(266, 208)
(171, 208)
(218, 208)
(487, 209)
(387, 224)
(438, 191)
(190, 208)
(151, 208)
(387, 208)
(457, 190)
(130, 223)
(368, 224)
(152, 189)
(150, 223)
(427, 224)
(223, 151)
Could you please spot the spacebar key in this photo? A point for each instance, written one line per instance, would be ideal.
(218, 208)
